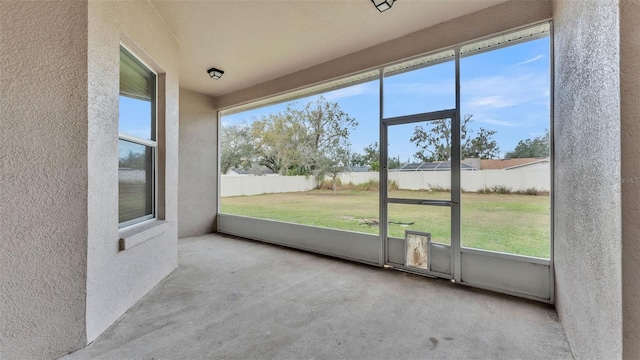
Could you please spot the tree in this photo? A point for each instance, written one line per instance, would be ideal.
(334, 162)
(531, 148)
(236, 147)
(326, 142)
(313, 139)
(434, 141)
(481, 146)
(279, 141)
(135, 160)
(394, 163)
(358, 160)
(371, 157)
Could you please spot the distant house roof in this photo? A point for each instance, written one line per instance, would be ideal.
(431, 166)
(498, 164)
(527, 164)
(238, 172)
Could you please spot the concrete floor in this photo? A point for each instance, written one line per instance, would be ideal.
(239, 299)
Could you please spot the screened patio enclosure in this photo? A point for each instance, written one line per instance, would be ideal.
(457, 107)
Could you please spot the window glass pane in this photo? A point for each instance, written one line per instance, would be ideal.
(135, 181)
(136, 118)
(137, 98)
(506, 119)
(430, 87)
(313, 161)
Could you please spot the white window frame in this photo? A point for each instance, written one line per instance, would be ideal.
(153, 144)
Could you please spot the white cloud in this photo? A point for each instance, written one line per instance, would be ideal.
(503, 91)
(500, 122)
(536, 58)
(495, 101)
(422, 89)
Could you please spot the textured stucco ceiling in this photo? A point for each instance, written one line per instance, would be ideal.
(259, 40)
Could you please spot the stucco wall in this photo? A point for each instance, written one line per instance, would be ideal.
(587, 177)
(198, 177)
(499, 18)
(43, 177)
(630, 133)
(117, 279)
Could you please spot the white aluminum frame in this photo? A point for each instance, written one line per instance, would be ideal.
(552, 278)
(453, 203)
(522, 276)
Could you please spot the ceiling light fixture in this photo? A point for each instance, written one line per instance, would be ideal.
(383, 5)
(215, 73)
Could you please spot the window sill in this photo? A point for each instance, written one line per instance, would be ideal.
(139, 233)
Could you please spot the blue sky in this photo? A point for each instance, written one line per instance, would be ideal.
(135, 119)
(506, 90)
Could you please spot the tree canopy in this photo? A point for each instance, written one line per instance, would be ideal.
(434, 141)
(313, 139)
(371, 157)
(531, 148)
(237, 149)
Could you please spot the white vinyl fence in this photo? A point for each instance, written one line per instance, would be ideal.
(514, 180)
(236, 185)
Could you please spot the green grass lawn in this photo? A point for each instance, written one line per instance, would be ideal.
(517, 224)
